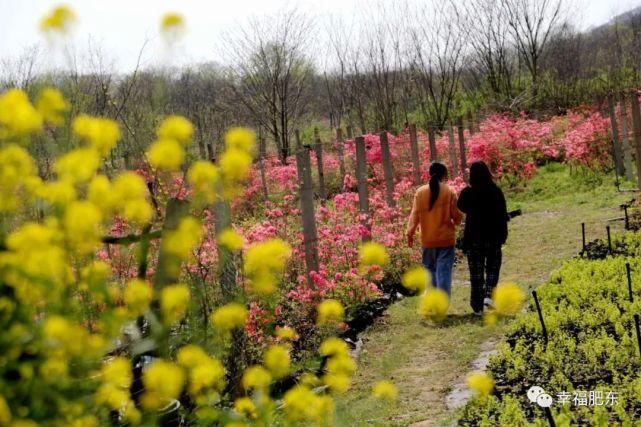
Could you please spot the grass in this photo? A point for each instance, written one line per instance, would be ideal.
(425, 359)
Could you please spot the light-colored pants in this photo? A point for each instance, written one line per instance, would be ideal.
(439, 262)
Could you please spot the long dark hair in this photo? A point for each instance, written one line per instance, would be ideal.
(437, 172)
(480, 175)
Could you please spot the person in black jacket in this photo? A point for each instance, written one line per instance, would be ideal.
(485, 233)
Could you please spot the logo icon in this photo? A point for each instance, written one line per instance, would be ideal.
(538, 395)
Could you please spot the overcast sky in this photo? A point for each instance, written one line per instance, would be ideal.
(120, 27)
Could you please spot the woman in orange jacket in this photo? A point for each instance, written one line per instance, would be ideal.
(434, 210)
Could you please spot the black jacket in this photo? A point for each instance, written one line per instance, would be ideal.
(486, 216)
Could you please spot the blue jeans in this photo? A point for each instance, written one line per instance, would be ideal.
(439, 262)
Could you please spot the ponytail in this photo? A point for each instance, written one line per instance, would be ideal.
(437, 172)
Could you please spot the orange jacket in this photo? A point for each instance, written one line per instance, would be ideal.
(438, 224)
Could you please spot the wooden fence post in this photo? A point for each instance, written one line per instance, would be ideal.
(168, 268)
(350, 135)
(463, 151)
(470, 122)
(318, 148)
(636, 123)
(261, 164)
(452, 151)
(226, 266)
(306, 188)
(388, 172)
(416, 164)
(361, 176)
(627, 152)
(340, 149)
(616, 140)
(431, 132)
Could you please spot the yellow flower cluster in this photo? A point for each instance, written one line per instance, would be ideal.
(302, 405)
(50, 104)
(372, 253)
(137, 297)
(172, 25)
(508, 299)
(231, 240)
(113, 392)
(182, 241)
(18, 117)
(126, 196)
(256, 378)
(168, 153)
(265, 263)
(174, 303)
(416, 279)
(340, 366)
(17, 171)
(101, 134)
(276, 359)
(228, 317)
(330, 311)
(204, 371)
(203, 177)
(163, 381)
(481, 383)
(235, 162)
(60, 20)
(434, 303)
(385, 390)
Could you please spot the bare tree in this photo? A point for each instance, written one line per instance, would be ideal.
(438, 40)
(531, 22)
(270, 71)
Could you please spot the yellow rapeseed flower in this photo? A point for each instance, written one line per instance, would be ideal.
(230, 316)
(286, 333)
(191, 355)
(434, 303)
(184, 239)
(62, 334)
(302, 405)
(256, 377)
(330, 311)
(166, 154)
(137, 296)
(18, 118)
(481, 383)
(58, 193)
(203, 176)
(385, 390)
(265, 263)
(231, 240)
(415, 279)
(204, 371)
(235, 164)
(118, 371)
(60, 20)
(276, 359)
(82, 224)
(17, 168)
(241, 138)
(100, 192)
(334, 346)
(77, 166)
(508, 299)
(172, 25)
(102, 134)
(51, 104)
(372, 253)
(174, 302)
(245, 406)
(163, 381)
(177, 128)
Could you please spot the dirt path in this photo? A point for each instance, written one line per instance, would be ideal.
(425, 359)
